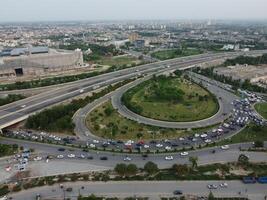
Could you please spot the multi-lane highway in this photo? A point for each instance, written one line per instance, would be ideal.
(151, 189)
(20, 110)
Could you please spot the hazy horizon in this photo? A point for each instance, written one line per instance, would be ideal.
(111, 10)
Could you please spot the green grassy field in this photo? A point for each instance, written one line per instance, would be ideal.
(119, 61)
(175, 53)
(261, 108)
(191, 108)
(110, 124)
(251, 133)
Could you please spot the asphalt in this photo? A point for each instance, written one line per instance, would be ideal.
(151, 189)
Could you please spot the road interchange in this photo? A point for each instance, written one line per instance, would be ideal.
(18, 111)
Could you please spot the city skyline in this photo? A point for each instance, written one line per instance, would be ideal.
(68, 10)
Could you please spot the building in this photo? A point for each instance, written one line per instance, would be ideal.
(37, 61)
(139, 44)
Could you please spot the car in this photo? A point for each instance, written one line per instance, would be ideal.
(168, 148)
(177, 192)
(103, 158)
(184, 153)
(223, 185)
(38, 158)
(60, 156)
(225, 147)
(38, 197)
(92, 145)
(82, 156)
(212, 186)
(127, 158)
(69, 189)
(159, 145)
(81, 91)
(90, 157)
(207, 141)
(71, 156)
(203, 135)
(95, 141)
(61, 149)
(146, 146)
(168, 157)
(23, 106)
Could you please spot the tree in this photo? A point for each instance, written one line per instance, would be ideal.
(193, 160)
(121, 169)
(243, 159)
(108, 111)
(132, 169)
(151, 168)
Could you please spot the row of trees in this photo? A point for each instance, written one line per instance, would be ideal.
(247, 60)
(97, 50)
(131, 169)
(59, 118)
(47, 81)
(6, 150)
(151, 168)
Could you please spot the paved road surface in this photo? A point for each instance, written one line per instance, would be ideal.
(57, 166)
(153, 189)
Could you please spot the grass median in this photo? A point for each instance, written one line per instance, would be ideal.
(171, 99)
(261, 108)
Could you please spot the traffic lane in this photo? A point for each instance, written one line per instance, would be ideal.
(205, 156)
(144, 189)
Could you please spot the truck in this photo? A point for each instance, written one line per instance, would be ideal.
(262, 179)
(249, 180)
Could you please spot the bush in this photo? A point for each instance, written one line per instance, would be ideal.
(151, 168)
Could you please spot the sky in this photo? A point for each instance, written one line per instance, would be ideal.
(65, 10)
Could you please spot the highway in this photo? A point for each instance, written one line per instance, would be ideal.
(79, 164)
(151, 189)
(20, 110)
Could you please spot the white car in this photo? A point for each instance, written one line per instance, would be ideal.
(223, 185)
(225, 147)
(181, 139)
(159, 145)
(168, 157)
(127, 158)
(184, 154)
(81, 91)
(168, 148)
(203, 135)
(92, 145)
(82, 156)
(95, 141)
(60, 156)
(207, 141)
(146, 146)
(71, 156)
(196, 135)
(23, 106)
(38, 158)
